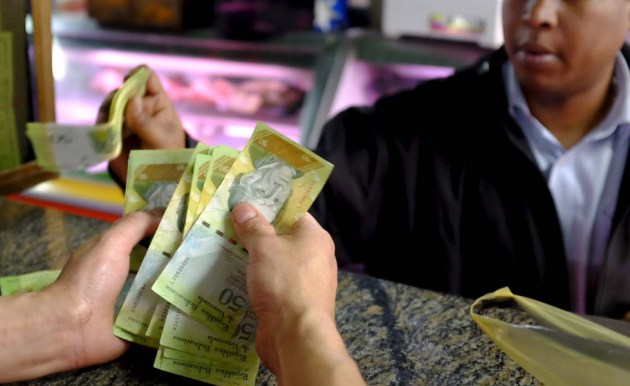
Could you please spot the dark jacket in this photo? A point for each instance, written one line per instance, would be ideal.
(437, 187)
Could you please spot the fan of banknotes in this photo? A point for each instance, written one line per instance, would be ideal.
(189, 297)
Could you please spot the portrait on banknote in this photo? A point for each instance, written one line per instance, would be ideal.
(267, 187)
(159, 194)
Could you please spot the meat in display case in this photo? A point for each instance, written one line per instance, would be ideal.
(218, 100)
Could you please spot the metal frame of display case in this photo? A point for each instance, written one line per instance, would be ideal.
(374, 49)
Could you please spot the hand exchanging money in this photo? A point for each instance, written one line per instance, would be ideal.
(205, 332)
(150, 122)
(292, 283)
(69, 324)
(201, 320)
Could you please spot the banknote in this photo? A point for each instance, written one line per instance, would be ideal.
(140, 303)
(207, 280)
(27, 282)
(128, 336)
(143, 340)
(206, 277)
(200, 170)
(152, 176)
(59, 146)
(203, 369)
(158, 318)
(183, 333)
(277, 175)
(221, 161)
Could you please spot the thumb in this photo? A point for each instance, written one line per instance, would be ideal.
(131, 228)
(249, 224)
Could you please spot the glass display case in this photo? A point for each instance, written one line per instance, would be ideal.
(219, 101)
(294, 82)
(369, 66)
(220, 89)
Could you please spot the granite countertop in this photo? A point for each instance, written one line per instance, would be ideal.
(399, 335)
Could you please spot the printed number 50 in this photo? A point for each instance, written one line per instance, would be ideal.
(231, 301)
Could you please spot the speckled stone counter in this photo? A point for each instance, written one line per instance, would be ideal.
(399, 335)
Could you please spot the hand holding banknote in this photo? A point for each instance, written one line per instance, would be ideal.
(69, 324)
(292, 283)
(150, 122)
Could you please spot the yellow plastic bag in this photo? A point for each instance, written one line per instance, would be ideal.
(562, 348)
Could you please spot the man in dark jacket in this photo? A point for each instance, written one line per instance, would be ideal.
(509, 173)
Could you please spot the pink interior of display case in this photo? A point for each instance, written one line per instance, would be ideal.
(362, 83)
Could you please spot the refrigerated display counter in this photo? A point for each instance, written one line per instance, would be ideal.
(219, 87)
(368, 66)
(294, 82)
(219, 101)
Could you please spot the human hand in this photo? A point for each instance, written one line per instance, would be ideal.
(90, 283)
(289, 277)
(292, 284)
(69, 324)
(150, 122)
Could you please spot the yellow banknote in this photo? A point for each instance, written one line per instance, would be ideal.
(200, 170)
(275, 174)
(78, 147)
(138, 308)
(27, 282)
(203, 369)
(183, 333)
(206, 277)
(221, 161)
(152, 177)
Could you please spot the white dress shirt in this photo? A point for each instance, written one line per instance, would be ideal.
(584, 180)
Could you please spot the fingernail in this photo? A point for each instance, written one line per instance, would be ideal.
(243, 213)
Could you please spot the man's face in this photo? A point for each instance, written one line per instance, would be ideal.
(267, 189)
(560, 47)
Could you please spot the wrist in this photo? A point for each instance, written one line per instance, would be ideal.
(312, 341)
(66, 318)
(39, 337)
